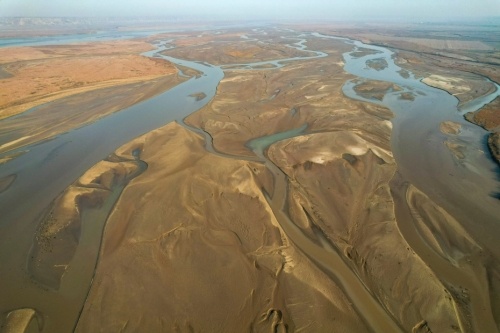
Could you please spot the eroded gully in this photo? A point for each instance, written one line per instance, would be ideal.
(42, 160)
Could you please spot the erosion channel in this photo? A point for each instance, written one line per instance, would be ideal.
(71, 165)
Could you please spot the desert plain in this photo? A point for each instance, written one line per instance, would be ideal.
(281, 205)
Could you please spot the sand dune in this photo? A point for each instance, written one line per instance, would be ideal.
(348, 198)
(197, 241)
(201, 230)
(59, 233)
(468, 271)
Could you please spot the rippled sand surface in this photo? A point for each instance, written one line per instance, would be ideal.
(277, 207)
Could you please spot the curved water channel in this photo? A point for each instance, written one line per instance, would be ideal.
(417, 142)
(49, 167)
(466, 187)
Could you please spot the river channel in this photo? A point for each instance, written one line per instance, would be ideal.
(45, 169)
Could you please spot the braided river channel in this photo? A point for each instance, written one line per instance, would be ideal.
(466, 188)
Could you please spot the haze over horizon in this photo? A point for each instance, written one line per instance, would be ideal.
(257, 9)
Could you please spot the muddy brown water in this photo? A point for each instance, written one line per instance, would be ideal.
(464, 188)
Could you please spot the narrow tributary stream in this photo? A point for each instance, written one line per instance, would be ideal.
(49, 167)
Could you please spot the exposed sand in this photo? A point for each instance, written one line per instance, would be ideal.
(341, 183)
(58, 236)
(453, 143)
(42, 74)
(464, 80)
(456, 148)
(7, 158)
(450, 127)
(451, 84)
(200, 230)
(195, 244)
(77, 110)
(470, 56)
(339, 176)
(193, 213)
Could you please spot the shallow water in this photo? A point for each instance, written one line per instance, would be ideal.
(465, 187)
(47, 168)
(51, 166)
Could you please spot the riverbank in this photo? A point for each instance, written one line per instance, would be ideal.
(45, 73)
(304, 186)
(44, 95)
(488, 117)
(339, 194)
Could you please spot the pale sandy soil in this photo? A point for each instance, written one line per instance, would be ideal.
(58, 236)
(21, 320)
(42, 74)
(453, 85)
(450, 127)
(78, 109)
(456, 147)
(464, 80)
(342, 185)
(193, 244)
(201, 233)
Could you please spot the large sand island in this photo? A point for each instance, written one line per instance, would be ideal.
(282, 205)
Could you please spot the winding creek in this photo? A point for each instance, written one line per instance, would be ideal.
(463, 187)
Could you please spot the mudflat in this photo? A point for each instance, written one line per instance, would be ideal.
(278, 206)
(343, 190)
(42, 80)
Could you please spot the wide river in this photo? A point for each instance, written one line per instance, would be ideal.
(463, 187)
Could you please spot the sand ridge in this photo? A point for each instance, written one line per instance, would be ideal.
(199, 227)
(339, 173)
(59, 232)
(194, 241)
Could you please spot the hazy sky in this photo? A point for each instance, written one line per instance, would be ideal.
(334, 9)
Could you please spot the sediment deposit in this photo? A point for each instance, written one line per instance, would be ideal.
(340, 173)
(236, 229)
(41, 74)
